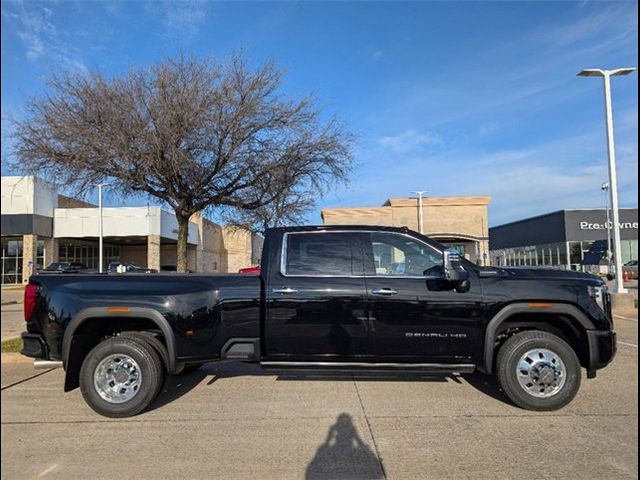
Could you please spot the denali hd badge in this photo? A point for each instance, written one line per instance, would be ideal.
(434, 335)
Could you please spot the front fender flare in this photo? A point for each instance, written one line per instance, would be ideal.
(515, 308)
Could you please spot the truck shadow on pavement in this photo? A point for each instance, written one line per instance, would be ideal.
(178, 386)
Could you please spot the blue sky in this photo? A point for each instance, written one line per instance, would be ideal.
(452, 98)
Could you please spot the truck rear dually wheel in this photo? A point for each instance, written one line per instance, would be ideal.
(538, 371)
(121, 376)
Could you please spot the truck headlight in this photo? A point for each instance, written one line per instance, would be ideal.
(598, 292)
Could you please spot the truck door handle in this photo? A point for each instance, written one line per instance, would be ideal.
(285, 290)
(384, 291)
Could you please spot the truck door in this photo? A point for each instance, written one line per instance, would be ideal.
(316, 302)
(413, 313)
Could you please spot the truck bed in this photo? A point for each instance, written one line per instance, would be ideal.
(204, 311)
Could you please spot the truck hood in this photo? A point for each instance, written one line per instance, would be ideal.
(550, 274)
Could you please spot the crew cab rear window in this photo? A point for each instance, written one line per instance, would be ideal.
(319, 254)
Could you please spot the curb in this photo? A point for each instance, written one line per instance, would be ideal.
(10, 302)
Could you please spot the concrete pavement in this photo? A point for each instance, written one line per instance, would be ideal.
(12, 295)
(236, 421)
(11, 321)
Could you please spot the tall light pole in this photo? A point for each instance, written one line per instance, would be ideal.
(100, 235)
(605, 189)
(420, 217)
(613, 178)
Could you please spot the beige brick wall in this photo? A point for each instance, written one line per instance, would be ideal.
(29, 243)
(136, 254)
(236, 253)
(378, 216)
(68, 202)
(211, 247)
(153, 251)
(220, 249)
(444, 218)
(51, 250)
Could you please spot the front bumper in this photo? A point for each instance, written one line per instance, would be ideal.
(602, 347)
(34, 346)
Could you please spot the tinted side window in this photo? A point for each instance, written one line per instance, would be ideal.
(319, 254)
(399, 255)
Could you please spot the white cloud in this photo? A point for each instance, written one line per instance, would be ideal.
(532, 71)
(620, 19)
(181, 19)
(39, 35)
(410, 140)
(563, 173)
(488, 128)
(33, 45)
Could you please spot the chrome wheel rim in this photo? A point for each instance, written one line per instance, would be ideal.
(541, 373)
(117, 378)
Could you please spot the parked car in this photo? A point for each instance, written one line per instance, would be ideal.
(253, 270)
(128, 268)
(343, 298)
(171, 268)
(631, 268)
(63, 267)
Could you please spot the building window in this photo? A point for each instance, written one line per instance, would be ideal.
(11, 261)
(86, 253)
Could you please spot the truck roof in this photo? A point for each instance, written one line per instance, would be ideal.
(304, 228)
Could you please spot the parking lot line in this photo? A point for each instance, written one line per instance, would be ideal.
(628, 344)
(626, 318)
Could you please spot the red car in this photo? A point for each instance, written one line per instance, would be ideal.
(253, 270)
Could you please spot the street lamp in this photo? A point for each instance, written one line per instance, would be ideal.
(420, 218)
(613, 179)
(605, 189)
(100, 235)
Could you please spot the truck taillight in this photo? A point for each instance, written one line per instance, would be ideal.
(30, 292)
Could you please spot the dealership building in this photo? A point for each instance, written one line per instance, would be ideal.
(40, 226)
(458, 222)
(569, 239)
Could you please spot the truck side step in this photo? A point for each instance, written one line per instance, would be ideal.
(350, 366)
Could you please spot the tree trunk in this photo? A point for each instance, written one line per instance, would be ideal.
(183, 233)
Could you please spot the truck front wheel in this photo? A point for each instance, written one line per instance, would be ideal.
(121, 376)
(538, 370)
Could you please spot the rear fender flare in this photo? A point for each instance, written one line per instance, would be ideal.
(135, 312)
(515, 308)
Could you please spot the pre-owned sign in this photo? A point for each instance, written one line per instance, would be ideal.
(591, 225)
(605, 225)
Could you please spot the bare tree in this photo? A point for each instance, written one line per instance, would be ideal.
(195, 134)
(288, 209)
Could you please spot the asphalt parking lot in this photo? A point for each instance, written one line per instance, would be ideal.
(236, 421)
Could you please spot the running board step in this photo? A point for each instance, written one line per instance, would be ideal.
(350, 366)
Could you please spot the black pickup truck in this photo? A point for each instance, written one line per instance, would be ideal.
(344, 298)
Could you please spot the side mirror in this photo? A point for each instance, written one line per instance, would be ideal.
(453, 269)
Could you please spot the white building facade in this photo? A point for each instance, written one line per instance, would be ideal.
(39, 227)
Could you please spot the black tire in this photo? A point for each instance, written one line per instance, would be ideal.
(150, 370)
(160, 349)
(507, 371)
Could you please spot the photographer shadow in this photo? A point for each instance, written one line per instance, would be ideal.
(343, 455)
